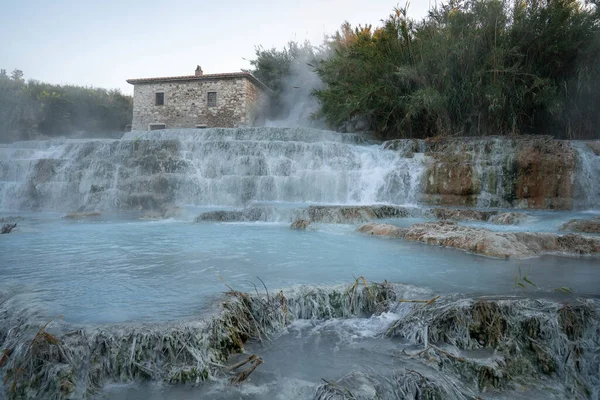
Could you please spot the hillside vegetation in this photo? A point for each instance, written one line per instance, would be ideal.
(32, 109)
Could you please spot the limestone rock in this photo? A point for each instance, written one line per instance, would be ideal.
(489, 243)
(221, 216)
(475, 240)
(405, 147)
(582, 225)
(251, 214)
(300, 224)
(508, 218)
(577, 244)
(527, 172)
(382, 230)
(462, 215)
(7, 228)
(353, 214)
(77, 215)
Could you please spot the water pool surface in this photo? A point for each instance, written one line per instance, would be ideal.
(116, 268)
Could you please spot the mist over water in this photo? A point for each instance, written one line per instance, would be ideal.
(297, 104)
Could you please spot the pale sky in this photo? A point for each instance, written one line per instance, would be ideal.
(102, 43)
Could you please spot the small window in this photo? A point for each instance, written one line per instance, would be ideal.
(160, 99)
(155, 127)
(212, 99)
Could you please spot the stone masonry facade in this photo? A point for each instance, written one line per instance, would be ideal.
(216, 100)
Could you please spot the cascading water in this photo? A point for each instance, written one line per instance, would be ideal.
(142, 298)
(491, 160)
(587, 180)
(225, 167)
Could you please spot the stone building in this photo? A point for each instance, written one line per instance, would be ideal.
(197, 101)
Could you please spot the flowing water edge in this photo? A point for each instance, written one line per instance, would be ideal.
(154, 305)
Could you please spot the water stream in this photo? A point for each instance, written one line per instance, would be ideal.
(127, 268)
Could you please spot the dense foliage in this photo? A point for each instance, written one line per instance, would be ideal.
(471, 67)
(34, 109)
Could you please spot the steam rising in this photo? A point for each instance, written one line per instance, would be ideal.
(296, 102)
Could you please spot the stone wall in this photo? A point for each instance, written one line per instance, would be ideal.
(256, 102)
(185, 103)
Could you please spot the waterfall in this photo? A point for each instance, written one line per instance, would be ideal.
(236, 167)
(225, 167)
(587, 178)
(491, 161)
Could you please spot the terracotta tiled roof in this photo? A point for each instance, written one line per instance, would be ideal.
(229, 75)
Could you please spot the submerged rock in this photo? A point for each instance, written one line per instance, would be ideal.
(489, 243)
(300, 224)
(509, 218)
(354, 386)
(221, 216)
(172, 212)
(382, 230)
(7, 228)
(354, 214)
(151, 215)
(252, 214)
(582, 225)
(76, 215)
(311, 214)
(169, 212)
(462, 215)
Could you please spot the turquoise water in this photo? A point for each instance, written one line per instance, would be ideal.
(118, 268)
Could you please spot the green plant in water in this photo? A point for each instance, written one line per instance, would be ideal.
(522, 280)
(564, 289)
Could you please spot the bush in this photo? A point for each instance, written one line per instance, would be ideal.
(479, 67)
(32, 109)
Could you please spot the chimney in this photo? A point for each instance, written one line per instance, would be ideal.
(199, 71)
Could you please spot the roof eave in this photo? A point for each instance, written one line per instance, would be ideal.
(246, 75)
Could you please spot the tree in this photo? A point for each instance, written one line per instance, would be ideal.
(17, 75)
(471, 67)
(32, 109)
